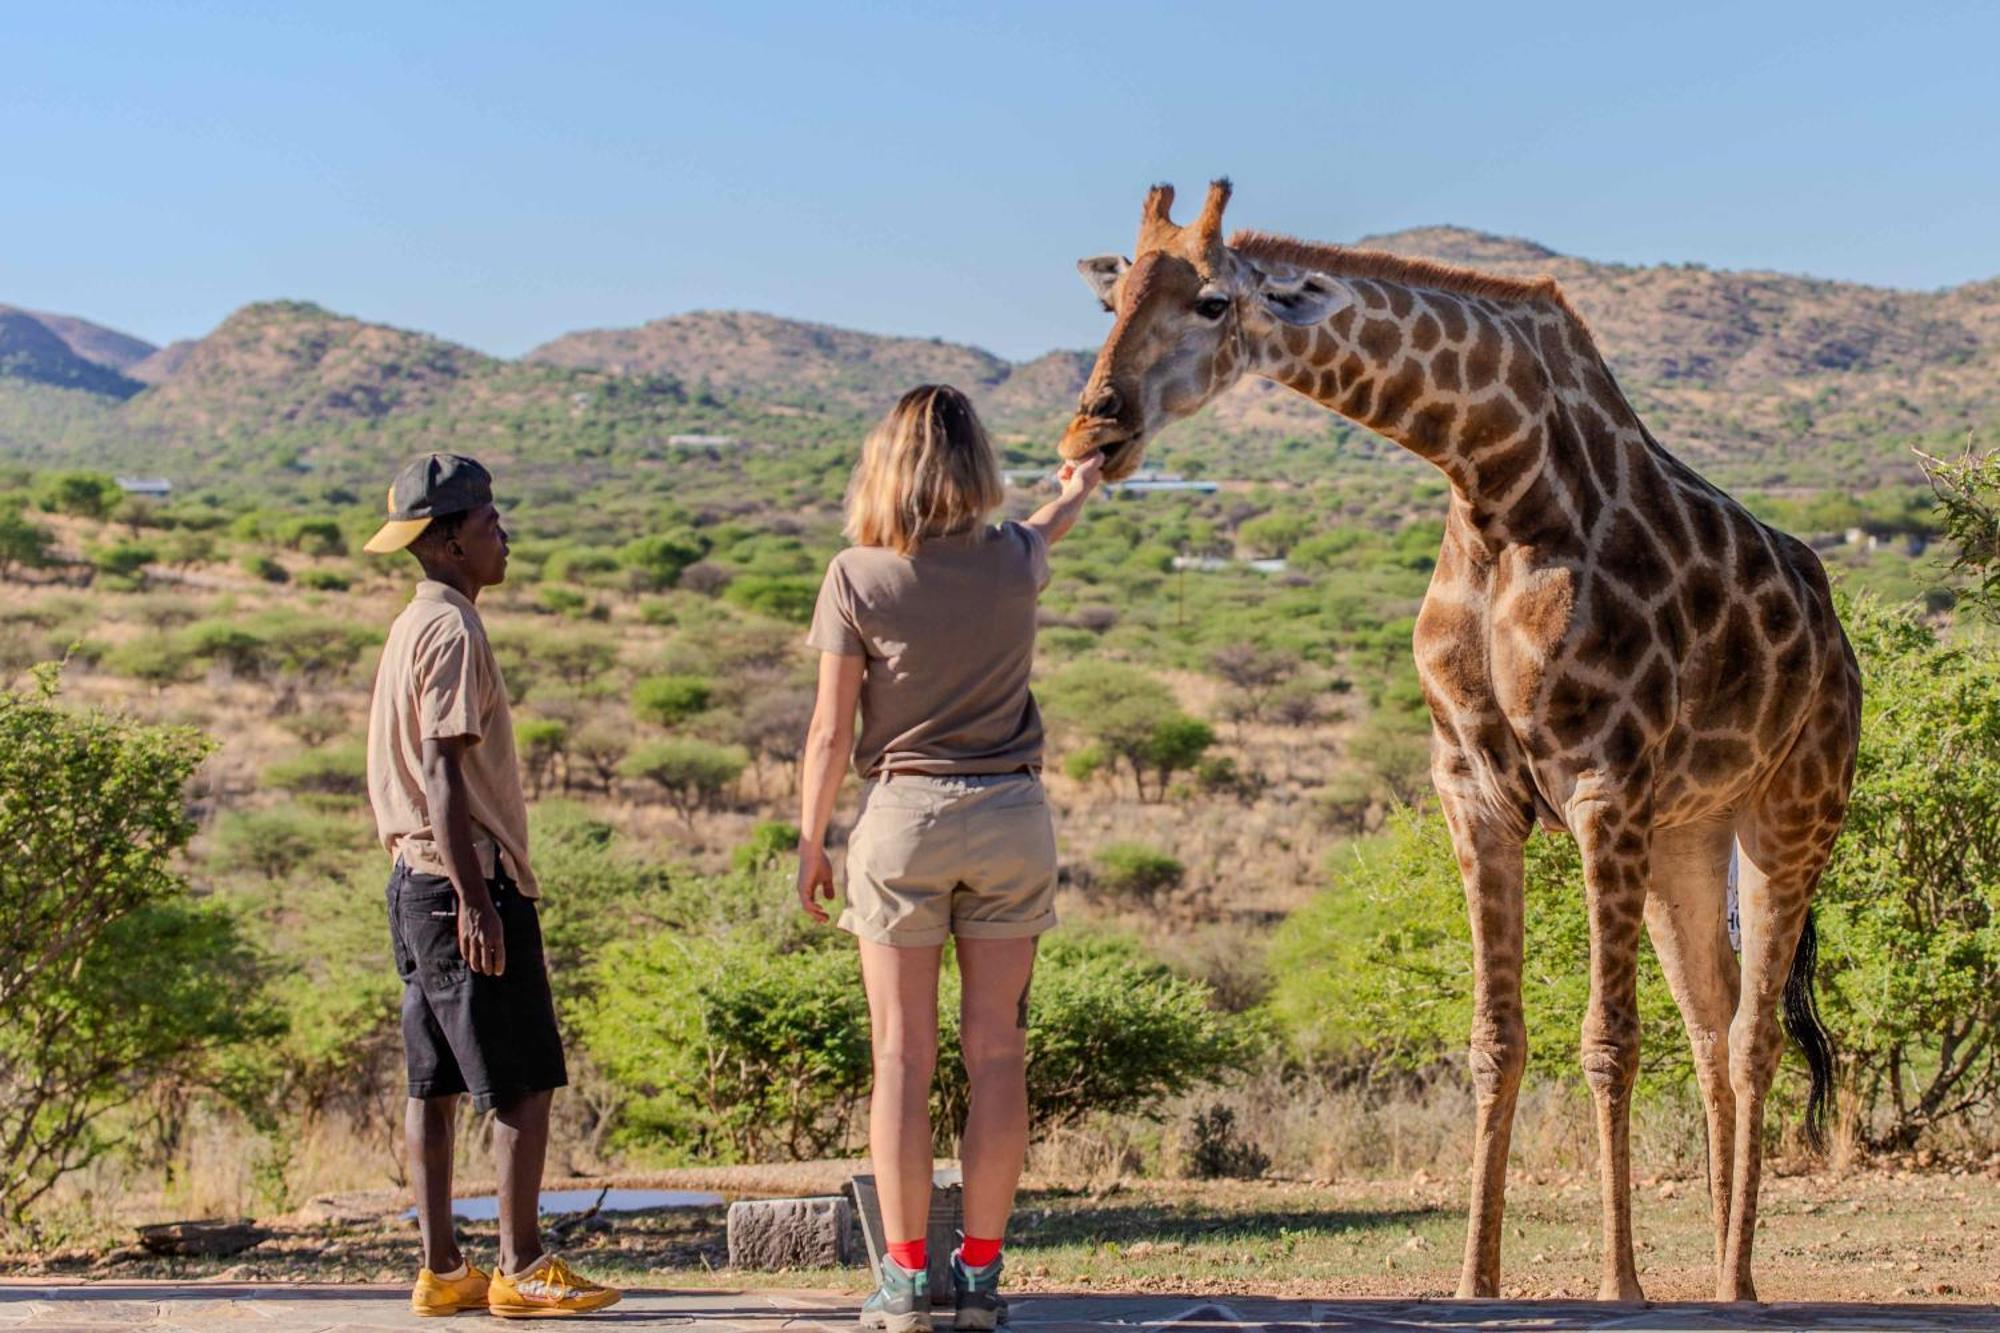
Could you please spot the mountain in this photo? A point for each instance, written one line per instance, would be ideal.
(33, 349)
(95, 343)
(1763, 379)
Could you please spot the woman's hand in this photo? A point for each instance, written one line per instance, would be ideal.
(815, 879)
(1080, 476)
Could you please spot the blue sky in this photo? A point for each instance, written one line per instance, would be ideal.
(499, 173)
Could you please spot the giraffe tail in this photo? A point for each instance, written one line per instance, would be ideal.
(1803, 1023)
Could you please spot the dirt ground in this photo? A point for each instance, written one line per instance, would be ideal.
(1877, 1236)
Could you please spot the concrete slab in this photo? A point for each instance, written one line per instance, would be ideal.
(194, 1307)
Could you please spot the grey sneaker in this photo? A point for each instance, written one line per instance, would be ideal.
(902, 1303)
(977, 1291)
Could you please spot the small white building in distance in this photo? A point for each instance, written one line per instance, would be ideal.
(701, 441)
(157, 488)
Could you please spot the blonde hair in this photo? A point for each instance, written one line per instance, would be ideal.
(926, 470)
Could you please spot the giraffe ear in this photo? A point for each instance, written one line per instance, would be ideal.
(1301, 298)
(1101, 274)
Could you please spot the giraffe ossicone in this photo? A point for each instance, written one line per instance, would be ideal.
(1610, 646)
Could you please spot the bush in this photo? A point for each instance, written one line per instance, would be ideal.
(1374, 974)
(316, 536)
(769, 843)
(123, 559)
(225, 644)
(324, 580)
(1134, 870)
(668, 700)
(339, 770)
(1218, 1153)
(691, 774)
(282, 841)
(542, 743)
(155, 660)
(23, 544)
(266, 568)
(728, 1051)
(786, 597)
(656, 561)
(112, 981)
(1909, 908)
(84, 494)
(732, 1048)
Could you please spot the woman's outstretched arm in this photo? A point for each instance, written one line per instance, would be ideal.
(1079, 479)
(829, 745)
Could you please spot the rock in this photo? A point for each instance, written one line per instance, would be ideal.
(769, 1234)
(209, 1239)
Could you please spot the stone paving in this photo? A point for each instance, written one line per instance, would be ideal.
(122, 1307)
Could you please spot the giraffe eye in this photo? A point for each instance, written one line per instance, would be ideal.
(1211, 307)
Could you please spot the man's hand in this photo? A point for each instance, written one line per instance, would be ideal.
(480, 938)
(1080, 477)
(815, 879)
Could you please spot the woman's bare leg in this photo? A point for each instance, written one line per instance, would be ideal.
(903, 1018)
(993, 1028)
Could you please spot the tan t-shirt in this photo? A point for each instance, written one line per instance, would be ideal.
(949, 634)
(439, 679)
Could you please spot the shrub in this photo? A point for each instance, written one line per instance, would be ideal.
(112, 982)
(769, 843)
(339, 770)
(542, 743)
(1219, 1153)
(324, 580)
(1084, 763)
(730, 1051)
(668, 700)
(23, 544)
(123, 559)
(560, 601)
(315, 536)
(656, 561)
(222, 643)
(155, 659)
(601, 747)
(786, 597)
(691, 774)
(284, 839)
(1374, 974)
(1909, 908)
(1134, 870)
(84, 494)
(265, 567)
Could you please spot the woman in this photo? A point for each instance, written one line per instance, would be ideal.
(928, 621)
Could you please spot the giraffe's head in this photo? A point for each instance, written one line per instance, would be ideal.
(1188, 310)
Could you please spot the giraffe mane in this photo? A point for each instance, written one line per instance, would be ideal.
(1346, 261)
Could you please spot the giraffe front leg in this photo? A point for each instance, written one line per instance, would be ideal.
(1614, 834)
(1490, 861)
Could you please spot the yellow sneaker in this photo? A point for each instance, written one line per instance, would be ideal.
(549, 1288)
(434, 1295)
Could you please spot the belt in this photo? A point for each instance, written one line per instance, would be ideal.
(884, 774)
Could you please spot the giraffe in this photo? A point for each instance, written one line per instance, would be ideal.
(1610, 647)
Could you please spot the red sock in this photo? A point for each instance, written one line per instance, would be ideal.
(977, 1251)
(909, 1255)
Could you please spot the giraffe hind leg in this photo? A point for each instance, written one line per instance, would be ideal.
(1686, 911)
(1786, 837)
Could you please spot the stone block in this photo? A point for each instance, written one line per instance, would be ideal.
(769, 1234)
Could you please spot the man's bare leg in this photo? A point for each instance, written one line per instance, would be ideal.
(428, 1125)
(520, 1148)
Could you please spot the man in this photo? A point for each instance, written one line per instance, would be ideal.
(478, 1018)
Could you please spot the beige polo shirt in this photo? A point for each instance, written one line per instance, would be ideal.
(949, 634)
(439, 679)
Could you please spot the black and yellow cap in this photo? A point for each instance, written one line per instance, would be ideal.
(431, 487)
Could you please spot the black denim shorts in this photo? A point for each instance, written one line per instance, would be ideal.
(463, 1031)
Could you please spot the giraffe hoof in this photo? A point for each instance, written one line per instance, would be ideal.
(1624, 1291)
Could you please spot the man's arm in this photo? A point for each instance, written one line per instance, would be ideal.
(1079, 479)
(479, 935)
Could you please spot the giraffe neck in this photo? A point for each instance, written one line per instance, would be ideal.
(1478, 387)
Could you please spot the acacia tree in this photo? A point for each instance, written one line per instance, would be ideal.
(112, 981)
(693, 775)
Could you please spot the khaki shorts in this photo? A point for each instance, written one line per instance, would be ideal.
(966, 855)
